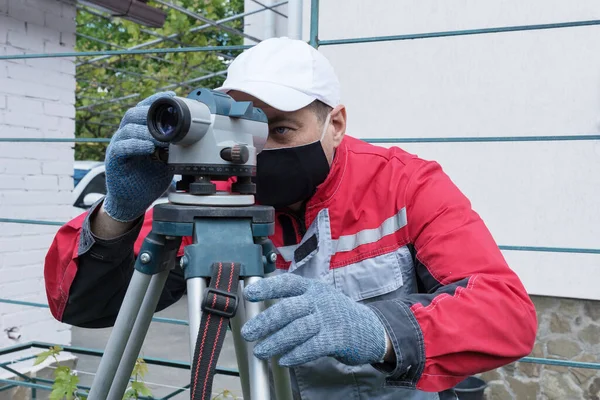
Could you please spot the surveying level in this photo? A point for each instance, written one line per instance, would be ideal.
(211, 137)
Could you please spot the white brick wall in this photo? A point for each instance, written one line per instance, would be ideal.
(36, 100)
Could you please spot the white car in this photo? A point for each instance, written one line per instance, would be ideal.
(90, 184)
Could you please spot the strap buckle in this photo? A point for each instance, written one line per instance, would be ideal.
(207, 301)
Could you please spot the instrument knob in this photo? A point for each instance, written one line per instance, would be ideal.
(237, 154)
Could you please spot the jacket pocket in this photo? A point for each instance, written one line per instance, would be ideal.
(375, 278)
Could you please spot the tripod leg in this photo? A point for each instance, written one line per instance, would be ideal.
(138, 334)
(241, 351)
(195, 292)
(259, 369)
(281, 375)
(119, 336)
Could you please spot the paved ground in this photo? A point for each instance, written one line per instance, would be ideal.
(164, 341)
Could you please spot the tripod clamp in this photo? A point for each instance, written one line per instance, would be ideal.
(217, 292)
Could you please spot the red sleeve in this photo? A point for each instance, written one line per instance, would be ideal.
(60, 265)
(67, 254)
(487, 319)
(473, 314)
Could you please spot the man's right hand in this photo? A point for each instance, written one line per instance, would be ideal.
(133, 178)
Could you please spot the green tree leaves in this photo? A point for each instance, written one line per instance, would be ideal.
(51, 352)
(65, 384)
(137, 387)
(108, 87)
(66, 380)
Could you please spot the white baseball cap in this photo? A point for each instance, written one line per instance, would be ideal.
(287, 74)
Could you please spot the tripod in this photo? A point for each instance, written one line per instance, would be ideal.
(231, 248)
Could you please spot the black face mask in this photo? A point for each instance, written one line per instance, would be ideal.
(289, 175)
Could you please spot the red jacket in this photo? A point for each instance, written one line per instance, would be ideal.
(393, 231)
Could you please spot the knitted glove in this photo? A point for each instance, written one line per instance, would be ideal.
(133, 179)
(312, 321)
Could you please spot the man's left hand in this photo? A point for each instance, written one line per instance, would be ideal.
(312, 320)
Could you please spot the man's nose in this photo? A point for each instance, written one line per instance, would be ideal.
(270, 143)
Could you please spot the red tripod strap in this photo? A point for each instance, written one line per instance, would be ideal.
(218, 307)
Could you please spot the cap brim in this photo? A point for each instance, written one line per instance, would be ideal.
(277, 96)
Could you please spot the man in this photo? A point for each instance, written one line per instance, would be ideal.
(391, 286)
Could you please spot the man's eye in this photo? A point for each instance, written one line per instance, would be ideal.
(281, 130)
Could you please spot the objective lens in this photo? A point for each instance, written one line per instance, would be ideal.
(167, 119)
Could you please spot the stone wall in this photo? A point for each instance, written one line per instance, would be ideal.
(567, 329)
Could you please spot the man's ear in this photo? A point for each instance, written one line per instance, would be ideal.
(338, 122)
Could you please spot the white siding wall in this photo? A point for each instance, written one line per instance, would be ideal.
(544, 82)
(37, 98)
